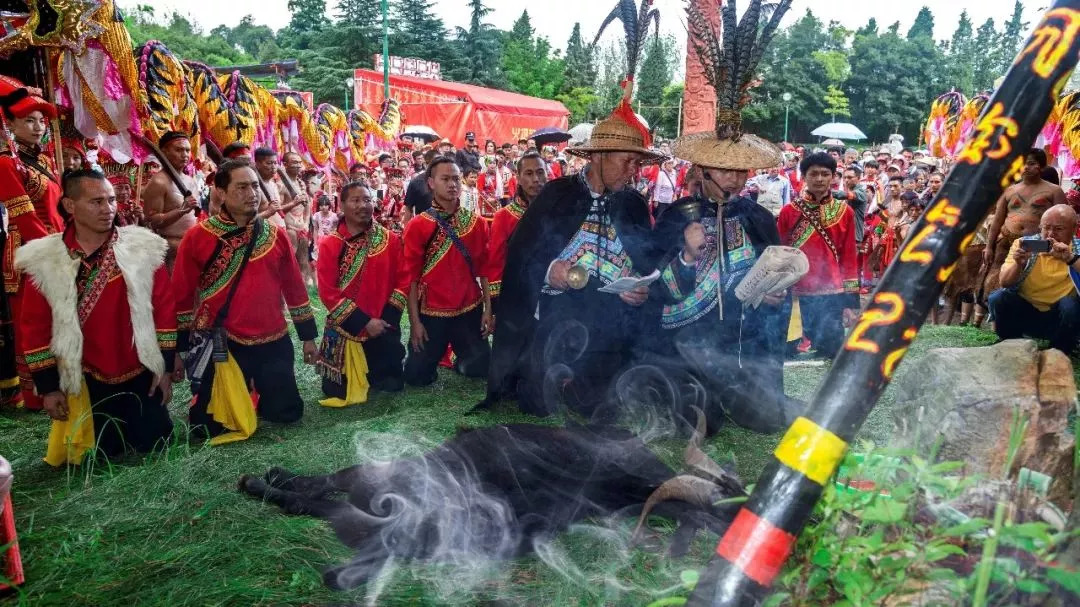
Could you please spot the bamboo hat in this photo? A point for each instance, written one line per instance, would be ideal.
(729, 60)
(619, 133)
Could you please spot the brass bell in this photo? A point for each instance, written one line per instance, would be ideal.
(577, 277)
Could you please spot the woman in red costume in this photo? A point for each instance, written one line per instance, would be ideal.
(30, 191)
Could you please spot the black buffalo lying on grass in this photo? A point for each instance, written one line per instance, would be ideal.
(491, 493)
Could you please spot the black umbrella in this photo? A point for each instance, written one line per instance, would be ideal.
(550, 134)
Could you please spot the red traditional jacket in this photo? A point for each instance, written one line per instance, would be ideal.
(31, 192)
(448, 286)
(825, 231)
(208, 259)
(109, 350)
(357, 278)
(502, 227)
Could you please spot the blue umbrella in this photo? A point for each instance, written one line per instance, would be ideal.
(550, 134)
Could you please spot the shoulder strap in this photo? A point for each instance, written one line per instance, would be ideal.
(454, 239)
(223, 312)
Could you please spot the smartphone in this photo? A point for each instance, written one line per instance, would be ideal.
(1035, 246)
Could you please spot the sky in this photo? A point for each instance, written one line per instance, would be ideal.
(555, 18)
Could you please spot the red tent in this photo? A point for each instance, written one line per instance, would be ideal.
(453, 109)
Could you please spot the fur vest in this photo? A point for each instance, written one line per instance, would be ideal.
(47, 262)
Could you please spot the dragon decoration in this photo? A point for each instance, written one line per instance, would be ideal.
(953, 119)
(116, 94)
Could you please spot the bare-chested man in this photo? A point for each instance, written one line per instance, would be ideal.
(167, 211)
(1017, 214)
(298, 216)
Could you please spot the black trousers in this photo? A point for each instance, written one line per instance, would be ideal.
(823, 321)
(126, 417)
(462, 333)
(583, 341)
(270, 367)
(384, 355)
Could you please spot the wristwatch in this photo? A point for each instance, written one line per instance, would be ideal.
(1075, 258)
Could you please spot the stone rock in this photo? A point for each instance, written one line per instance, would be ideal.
(966, 397)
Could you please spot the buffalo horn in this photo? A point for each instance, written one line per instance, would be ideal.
(696, 459)
(690, 489)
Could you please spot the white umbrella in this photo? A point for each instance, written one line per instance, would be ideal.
(581, 132)
(832, 142)
(839, 130)
(419, 131)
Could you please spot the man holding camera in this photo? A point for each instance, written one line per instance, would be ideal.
(1039, 282)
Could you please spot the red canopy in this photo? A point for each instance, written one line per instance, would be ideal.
(453, 109)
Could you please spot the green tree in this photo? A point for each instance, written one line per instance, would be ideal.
(923, 27)
(870, 29)
(893, 81)
(1011, 38)
(579, 101)
(307, 15)
(479, 44)
(246, 34)
(612, 70)
(654, 76)
(985, 68)
(183, 38)
(836, 103)
(788, 66)
(667, 124)
(530, 65)
(580, 67)
(962, 52)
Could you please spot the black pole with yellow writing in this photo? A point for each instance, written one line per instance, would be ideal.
(753, 550)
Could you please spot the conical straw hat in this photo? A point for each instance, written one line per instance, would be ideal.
(747, 153)
(614, 134)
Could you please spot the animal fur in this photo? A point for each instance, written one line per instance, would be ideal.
(139, 253)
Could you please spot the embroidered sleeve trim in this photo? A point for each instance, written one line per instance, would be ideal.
(19, 205)
(166, 340)
(40, 359)
(851, 286)
(495, 288)
(340, 312)
(399, 300)
(300, 313)
(184, 320)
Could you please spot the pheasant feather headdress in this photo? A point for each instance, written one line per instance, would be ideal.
(623, 131)
(729, 59)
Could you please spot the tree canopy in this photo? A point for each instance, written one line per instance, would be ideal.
(883, 79)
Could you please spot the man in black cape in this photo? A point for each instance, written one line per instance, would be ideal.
(558, 338)
(711, 242)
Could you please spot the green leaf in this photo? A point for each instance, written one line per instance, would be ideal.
(884, 511)
(822, 558)
(966, 528)
(945, 467)
(936, 552)
(1032, 586)
(689, 578)
(776, 599)
(1069, 580)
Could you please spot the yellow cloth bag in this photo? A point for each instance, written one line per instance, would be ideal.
(795, 328)
(356, 382)
(230, 403)
(69, 441)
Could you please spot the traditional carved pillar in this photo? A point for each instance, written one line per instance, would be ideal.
(699, 98)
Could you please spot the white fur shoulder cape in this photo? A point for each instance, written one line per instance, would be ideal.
(47, 262)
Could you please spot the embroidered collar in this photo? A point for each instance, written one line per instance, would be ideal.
(76, 250)
(31, 150)
(808, 198)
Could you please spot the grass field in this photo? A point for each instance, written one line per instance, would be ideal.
(171, 529)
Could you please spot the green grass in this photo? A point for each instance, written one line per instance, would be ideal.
(171, 529)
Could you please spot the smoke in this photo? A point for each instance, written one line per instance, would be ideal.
(434, 509)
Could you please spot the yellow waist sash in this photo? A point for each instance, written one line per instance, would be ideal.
(230, 403)
(356, 382)
(70, 440)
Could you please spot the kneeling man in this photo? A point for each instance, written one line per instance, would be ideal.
(99, 327)
(358, 270)
(1039, 295)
